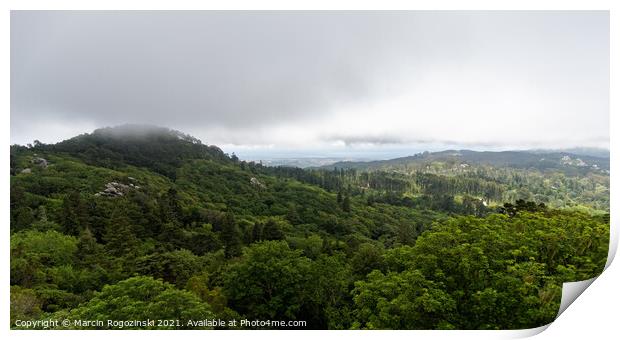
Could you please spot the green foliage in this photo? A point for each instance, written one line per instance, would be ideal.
(346, 203)
(272, 281)
(445, 240)
(119, 236)
(141, 298)
(367, 258)
(231, 236)
(36, 255)
(501, 272)
(175, 267)
(159, 149)
(272, 231)
(25, 305)
(405, 300)
(269, 282)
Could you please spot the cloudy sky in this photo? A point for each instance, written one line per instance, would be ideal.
(326, 83)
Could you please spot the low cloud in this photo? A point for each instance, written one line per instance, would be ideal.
(319, 79)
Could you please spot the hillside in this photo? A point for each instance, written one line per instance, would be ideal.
(558, 179)
(158, 149)
(110, 215)
(565, 162)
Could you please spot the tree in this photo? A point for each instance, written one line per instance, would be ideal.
(367, 258)
(34, 253)
(269, 282)
(198, 284)
(25, 305)
(272, 231)
(142, 298)
(257, 232)
(119, 237)
(175, 267)
(346, 203)
(201, 240)
(74, 217)
(329, 300)
(404, 300)
(88, 250)
(170, 208)
(406, 234)
(231, 236)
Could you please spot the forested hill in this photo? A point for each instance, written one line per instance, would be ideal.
(178, 230)
(159, 149)
(557, 179)
(560, 161)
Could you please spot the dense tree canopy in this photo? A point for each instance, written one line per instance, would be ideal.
(141, 298)
(157, 225)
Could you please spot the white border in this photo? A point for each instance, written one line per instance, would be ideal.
(592, 314)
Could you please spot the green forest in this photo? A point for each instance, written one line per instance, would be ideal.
(131, 223)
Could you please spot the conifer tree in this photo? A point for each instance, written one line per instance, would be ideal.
(346, 203)
(272, 231)
(231, 236)
(119, 237)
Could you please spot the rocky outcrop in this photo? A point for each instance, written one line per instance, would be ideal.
(566, 160)
(255, 182)
(42, 162)
(115, 189)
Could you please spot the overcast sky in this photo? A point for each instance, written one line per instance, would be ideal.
(333, 81)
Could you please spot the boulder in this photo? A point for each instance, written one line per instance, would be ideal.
(254, 181)
(115, 189)
(42, 162)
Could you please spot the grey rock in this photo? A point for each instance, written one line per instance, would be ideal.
(42, 162)
(254, 181)
(115, 189)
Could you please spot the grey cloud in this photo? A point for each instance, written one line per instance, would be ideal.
(236, 72)
(186, 68)
(367, 140)
(401, 141)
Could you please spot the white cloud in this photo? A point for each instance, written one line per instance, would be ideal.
(338, 80)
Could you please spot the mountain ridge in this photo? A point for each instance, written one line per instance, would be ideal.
(519, 159)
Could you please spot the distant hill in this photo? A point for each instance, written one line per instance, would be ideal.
(563, 161)
(309, 162)
(594, 152)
